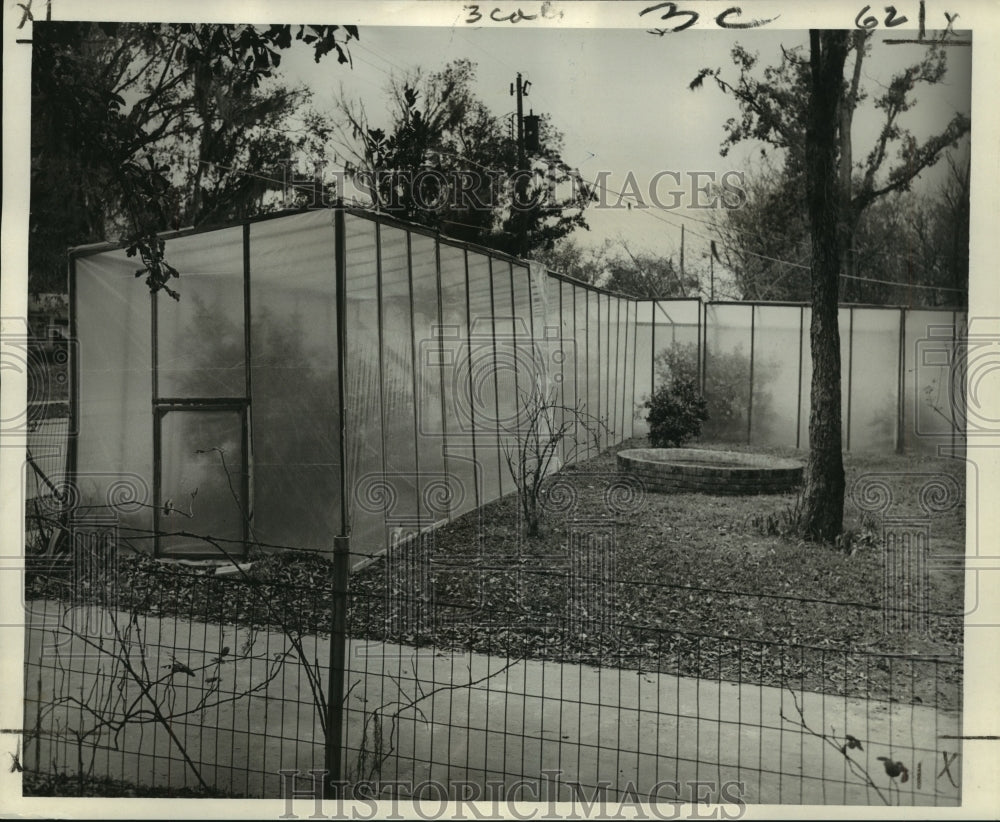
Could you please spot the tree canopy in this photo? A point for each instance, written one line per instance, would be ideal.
(618, 267)
(765, 243)
(446, 161)
(139, 128)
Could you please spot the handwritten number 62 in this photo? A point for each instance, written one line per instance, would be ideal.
(871, 21)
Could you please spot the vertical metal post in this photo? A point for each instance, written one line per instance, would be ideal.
(341, 544)
(381, 355)
(586, 360)
(652, 350)
(74, 379)
(753, 321)
(901, 381)
(703, 351)
(798, 399)
(576, 372)
(602, 399)
(626, 394)
(613, 373)
(247, 486)
(621, 375)
(850, 369)
(562, 365)
(157, 418)
(954, 343)
(630, 394)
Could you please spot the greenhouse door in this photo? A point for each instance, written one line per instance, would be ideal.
(202, 482)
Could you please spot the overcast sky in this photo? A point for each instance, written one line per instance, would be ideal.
(621, 98)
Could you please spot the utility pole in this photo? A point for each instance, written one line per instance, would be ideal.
(683, 283)
(711, 275)
(520, 92)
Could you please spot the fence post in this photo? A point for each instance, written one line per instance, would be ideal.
(753, 330)
(850, 375)
(798, 397)
(333, 754)
(901, 384)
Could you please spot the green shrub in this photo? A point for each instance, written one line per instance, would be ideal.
(726, 389)
(676, 412)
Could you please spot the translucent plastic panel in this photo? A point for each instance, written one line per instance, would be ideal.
(532, 361)
(621, 371)
(846, 356)
(200, 337)
(607, 365)
(775, 413)
(508, 398)
(482, 364)
(547, 326)
(544, 300)
(806, 378)
(456, 380)
(398, 413)
(568, 347)
(433, 481)
(624, 370)
(968, 350)
(727, 372)
(201, 482)
(927, 391)
(293, 372)
(363, 405)
(643, 371)
(616, 374)
(628, 383)
(611, 390)
(524, 307)
(113, 324)
(675, 329)
(594, 410)
(874, 380)
(581, 302)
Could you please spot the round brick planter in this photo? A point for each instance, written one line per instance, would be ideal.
(710, 472)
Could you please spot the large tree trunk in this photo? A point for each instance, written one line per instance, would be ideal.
(823, 510)
(849, 218)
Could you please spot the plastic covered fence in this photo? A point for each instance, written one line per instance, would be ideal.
(214, 422)
(230, 418)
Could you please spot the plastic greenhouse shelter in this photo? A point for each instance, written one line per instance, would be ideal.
(330, 373)
(322, 372)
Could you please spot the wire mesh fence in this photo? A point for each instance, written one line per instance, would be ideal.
(212, 678)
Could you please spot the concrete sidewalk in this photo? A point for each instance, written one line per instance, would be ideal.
(415, 715)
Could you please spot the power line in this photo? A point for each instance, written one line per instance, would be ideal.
(773, 259)
(903, 285)
(311, 188)
(371, 50)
